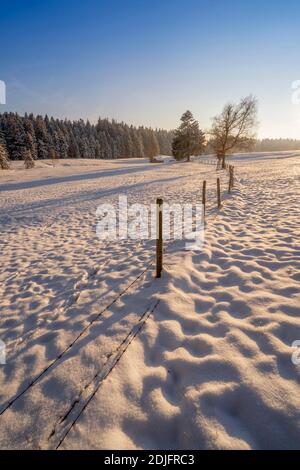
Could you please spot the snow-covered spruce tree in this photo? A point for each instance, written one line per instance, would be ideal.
(29, 137)
(4, 160)
(189, 139)
(137, 142)
(73, 150)
(28, 160)
(164, 139)
(15, 136)
(80, 139)
(42, 137)
(150, 143)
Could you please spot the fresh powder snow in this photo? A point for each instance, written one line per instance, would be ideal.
(101, 355)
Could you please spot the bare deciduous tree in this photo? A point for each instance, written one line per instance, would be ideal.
(234, 128)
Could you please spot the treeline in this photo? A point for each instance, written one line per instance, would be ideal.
(32, 137)
(273, 145)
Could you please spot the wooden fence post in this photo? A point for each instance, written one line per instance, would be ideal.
(159, 237)
(232, 176)
(204, 197)
(230, 179)
(219, 192)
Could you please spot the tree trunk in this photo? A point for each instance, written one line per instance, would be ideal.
(223, 162)
(219, 163)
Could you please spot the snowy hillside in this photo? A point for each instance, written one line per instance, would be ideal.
(100, 354)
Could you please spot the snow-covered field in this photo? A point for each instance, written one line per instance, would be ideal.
(100, 354)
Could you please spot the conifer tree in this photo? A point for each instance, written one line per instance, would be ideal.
(4, 160)
(28, 160)
(45, 137)
(189, 139)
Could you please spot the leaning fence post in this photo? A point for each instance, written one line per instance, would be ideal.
(159, 237)
(230, 179)
(204, 196)
(219, 192)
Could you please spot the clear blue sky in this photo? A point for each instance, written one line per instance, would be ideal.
(147, 61)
